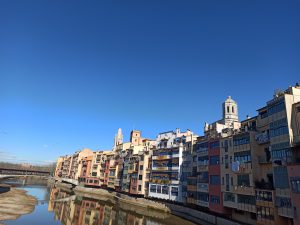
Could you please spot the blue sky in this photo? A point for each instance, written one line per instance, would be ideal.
(72, 72)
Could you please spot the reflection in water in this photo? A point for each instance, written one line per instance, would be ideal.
(86, 211)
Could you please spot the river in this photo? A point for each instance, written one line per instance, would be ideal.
(61, 207)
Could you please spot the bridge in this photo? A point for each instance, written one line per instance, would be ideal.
(10, 173)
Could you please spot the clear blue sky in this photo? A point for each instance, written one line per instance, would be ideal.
(72, 72)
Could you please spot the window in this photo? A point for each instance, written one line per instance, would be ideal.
(140, 177)
(215, 199)
(231, 181)
(241, 140)
(246, 199)
(227, 182)
(278, 127)
(202, 160)
(158, 189)
(281, 153)
(263, 196)
(229, 197)
(278, 107)
(94, 174)
(201, 196)
(203, 177)
(214, 179)
(174, 191)
(263, 114)
(265, 213)
(227, 109)
(153, 188)
(243, 180)
(141, 167)
(283, 202)
(281, 177)
(222, 180)
(242, 157)
(232, 109)
(215, 144)
(140, 187)
(165, 190)
(295, 184)
(194, 158)
(214, 160)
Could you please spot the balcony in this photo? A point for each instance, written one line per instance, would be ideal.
(244, 168)
(246, 207)
(202, 187)
(264, 198)
(202, 203)
(230, 204)
(160, 181)
(286, 212)
(173, 168)
(202, 153)
(243, 190)
(283, 192)
(262, 138)
(202, 168)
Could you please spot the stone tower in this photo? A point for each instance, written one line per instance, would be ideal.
(135, 137)
(118, 138)
(230, 112)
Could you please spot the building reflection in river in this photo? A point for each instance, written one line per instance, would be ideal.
(86, 211)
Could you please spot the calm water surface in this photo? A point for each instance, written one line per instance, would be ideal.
(56, 207)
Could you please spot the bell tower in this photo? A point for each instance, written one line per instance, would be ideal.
(118, 138)
(230, 111)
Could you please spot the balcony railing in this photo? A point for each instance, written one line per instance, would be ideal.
(165, 168)
(202, 153)
(264, 198)
(244, 190)
(202, 187)
(230, 204)
(286, 212)
(244, 168)
(246, 207)
(202, 168)
(262, 138)
(202, 203)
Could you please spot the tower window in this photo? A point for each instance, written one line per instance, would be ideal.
(232, 109)
(227, 109)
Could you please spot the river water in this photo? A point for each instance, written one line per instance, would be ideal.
(61, 207)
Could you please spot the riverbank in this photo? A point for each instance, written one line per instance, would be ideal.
(15, 203)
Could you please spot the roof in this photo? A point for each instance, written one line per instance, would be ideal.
(260, 109)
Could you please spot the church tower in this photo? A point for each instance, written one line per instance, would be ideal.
(230, 112)
(118, 138)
